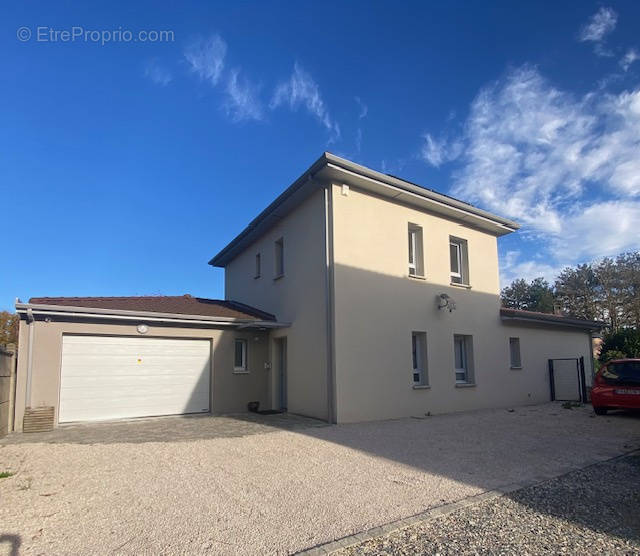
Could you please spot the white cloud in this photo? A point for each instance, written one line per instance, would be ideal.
(512, 268)
(359, 140)
(629, 58)
(158, 73)
(565, 167)
(364, 109)
(206, 58)
(301, 90)
(438, 151)
(599, 26)
(242, 101)
(598, 230)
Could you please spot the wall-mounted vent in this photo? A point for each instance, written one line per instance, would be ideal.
(39, 419)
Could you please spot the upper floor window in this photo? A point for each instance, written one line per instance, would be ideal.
(240, 355)
(419, 358)
(416, 258)
(279, 258)
(258, 269)
(514, 353)
(459, 256)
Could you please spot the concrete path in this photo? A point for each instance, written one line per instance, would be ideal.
(274, 484)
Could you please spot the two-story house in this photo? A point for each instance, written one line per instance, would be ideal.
(392, 292)
(354, 295)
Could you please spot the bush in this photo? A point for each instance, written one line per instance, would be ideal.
(622, 344)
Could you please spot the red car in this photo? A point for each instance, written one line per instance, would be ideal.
(616, 386)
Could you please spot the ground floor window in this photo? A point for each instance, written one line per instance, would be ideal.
(419, 358)
(514, 353)
(463, 358)
(240, 356)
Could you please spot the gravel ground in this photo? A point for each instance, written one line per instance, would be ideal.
(233, 486)
(592, 511)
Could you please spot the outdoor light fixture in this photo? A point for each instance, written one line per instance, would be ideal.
(142, 329)
(446, 302)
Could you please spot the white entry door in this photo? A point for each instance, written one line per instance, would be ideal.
(114, 377)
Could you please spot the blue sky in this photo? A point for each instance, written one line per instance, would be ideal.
(126, 165)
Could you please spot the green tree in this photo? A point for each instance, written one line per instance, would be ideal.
(9, 323)
(629, 270)
(609, 292)
(620, 344)
(536, 295)
(577, 292)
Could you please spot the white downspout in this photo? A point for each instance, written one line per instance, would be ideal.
(328, 242)
(32, 326)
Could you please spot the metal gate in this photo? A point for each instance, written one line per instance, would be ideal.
(567, 380)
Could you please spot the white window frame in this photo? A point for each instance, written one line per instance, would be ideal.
(279, 258)
(419, 363)
(412, 252)
(461, 277)
(515, 362)
(243, 367)
(416, 251)
(258, 272)
(466, 354)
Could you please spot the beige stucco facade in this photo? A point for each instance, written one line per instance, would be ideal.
(347, 307)
(230, 392)
(378, 306)
(298, 297)
(353, 308)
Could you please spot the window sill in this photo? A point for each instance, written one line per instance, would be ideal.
(278, 277)
(516, 368)
(465, 384)
(421, 387)
(465, 286)
(240, 372)
(416, 276)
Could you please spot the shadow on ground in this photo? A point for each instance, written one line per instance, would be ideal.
(603, 498)
(183, 428)
(10, 544)
(480, 450)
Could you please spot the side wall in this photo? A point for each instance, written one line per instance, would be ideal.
(377, 306)
(298, 297)
(230, 392)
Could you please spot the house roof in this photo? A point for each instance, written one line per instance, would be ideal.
(330, 167)
(166, 304)
(548, 318)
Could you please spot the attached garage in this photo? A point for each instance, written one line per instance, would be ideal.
(88, 359)
(115, 377)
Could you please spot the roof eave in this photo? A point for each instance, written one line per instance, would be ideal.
(97, 313)
(567, 322)
(305, 183)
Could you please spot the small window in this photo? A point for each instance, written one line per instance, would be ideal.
(240, 356)
(257, 274)
(463, 359)
(279, 253)
(419, 358)
(459, 256)
(416, 258)
(514, 353)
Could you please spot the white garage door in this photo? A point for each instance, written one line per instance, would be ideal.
(112, 377)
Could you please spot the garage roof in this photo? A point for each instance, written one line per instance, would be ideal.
(174, 304)
(548, 318)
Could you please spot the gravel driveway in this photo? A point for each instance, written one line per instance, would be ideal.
(592, 511)
(246, 486)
